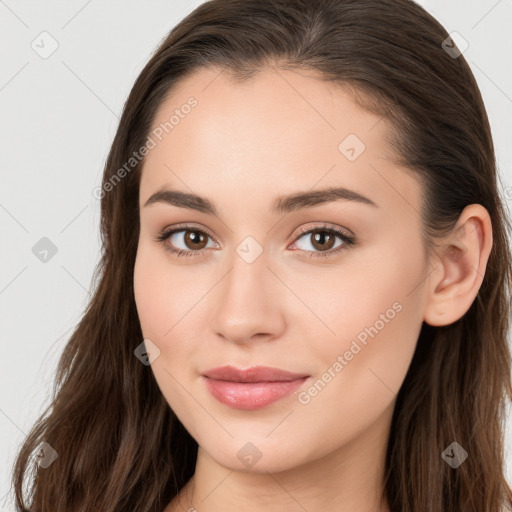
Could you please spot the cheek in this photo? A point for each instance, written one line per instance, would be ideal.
(362, 369)
(146, 291)
(376, 314)
(162, 310)
(166, 300)
(159, 294)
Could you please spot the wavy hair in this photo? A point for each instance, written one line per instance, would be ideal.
(120, 446)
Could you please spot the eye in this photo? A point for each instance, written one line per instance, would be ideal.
(322, 238)
(194, 241)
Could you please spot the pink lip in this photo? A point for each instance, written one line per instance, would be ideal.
(252, 388)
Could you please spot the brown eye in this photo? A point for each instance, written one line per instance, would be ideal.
(322, 240)
(195, 240)
(184, 241)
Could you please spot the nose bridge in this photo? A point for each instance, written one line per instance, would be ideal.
(248, 302)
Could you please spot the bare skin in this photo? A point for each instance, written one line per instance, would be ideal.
(241, 147)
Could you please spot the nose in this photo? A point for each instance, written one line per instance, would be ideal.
(249, 303)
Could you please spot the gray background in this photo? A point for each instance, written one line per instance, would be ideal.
(59, 116)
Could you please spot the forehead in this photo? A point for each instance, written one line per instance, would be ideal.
(279, 131)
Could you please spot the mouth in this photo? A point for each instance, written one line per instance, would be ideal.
(252, 374)
(253, 388)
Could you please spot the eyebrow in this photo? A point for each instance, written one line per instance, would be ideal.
(282, 204)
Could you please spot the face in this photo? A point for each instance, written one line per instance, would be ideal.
(328, 287)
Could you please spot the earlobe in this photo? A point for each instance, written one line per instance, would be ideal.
(461, 261)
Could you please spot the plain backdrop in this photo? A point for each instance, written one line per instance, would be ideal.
(59, 115)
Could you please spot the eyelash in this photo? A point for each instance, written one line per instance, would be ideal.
(348, 240)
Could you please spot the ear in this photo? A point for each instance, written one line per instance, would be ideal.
(459, 267)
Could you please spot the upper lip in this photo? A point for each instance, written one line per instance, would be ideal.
(253, 374)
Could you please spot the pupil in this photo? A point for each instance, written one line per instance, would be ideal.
(320, 238)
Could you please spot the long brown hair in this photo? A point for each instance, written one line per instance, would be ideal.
(120, 446)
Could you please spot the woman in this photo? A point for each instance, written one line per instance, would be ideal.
(302, 297)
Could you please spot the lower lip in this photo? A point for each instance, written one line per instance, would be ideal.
(251, 395)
